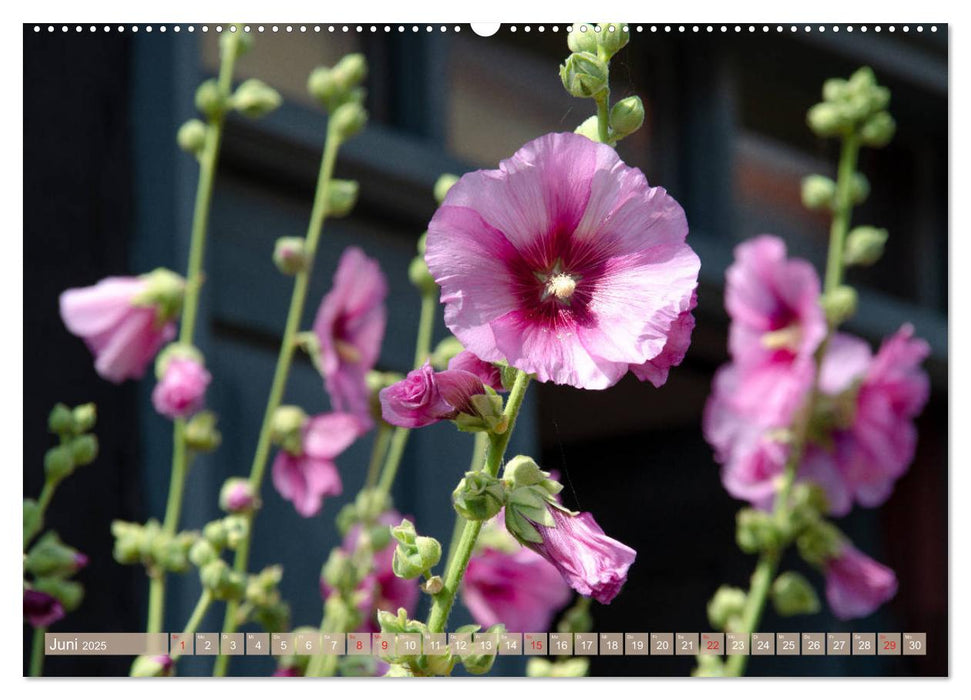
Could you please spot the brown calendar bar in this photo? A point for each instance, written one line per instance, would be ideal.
(105, 644)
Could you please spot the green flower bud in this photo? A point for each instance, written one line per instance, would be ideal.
(864, 245)
(165, 291)
(826, 119)
(590, 128)
(726, 606)
(419, 276)
(261, 588)
(324, 85)
(523, 471)
(33, 519)
(341, 197)
(84, 449)
(290, 255)
(85, 417)
(238, 41)
(202, 553)
(818, 192)
(412, 559)
(582, 38)
(209, 100)
(254, 99)
(274, 617)
(792, 594)
(807, 501)
(348, 120)
(442, 185)
(371, 503)
(169, 552)
(878, 130)
(613, 36)
(484, 414)
(286, 429)
(576, 667)
(237, 529)
(756, 531)
(430, 551)
(584, 75)
(820, 542)
(223, 582)
(479, 496)
(346, 518)
(51, 557)
(405, 532)
(68, 593)
(339, 572)
(151, 666)
(58, 462)
(61, 420)
(130, 542)
(422, 243)
(445, 351)
(351, 70)
(215, 533)
(479, 664)
(862, 81)
(433, 586)
(627, 116)
(859, 188)
(191, 136)
(839, 304)
(834, 90)
(201, 434)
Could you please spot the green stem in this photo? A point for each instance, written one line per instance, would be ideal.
(458, 559)
(426, 326)
(37, 653)
(478, 457)
(208, 161)
(603, 117)
(202, 606)
(768, 563)
(284, 360)
(378, 453)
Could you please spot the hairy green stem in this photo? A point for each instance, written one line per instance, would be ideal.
(284, 360)
(378, 453)
(37, 653)
(458, 559)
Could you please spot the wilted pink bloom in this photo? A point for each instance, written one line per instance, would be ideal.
(307, 477)
(856, 585)
(182, 389)
(41, 609)
(425, 396)
(592, 563)
(488, 373)
(350, 327)
(519, 589)
(116, 323)
(774, 305)
(380, 589)
(563, 262)
(656, 369)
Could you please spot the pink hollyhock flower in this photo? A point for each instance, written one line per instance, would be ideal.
(774, 305)
(182, 389)
(656, 369)
(380, 589)
(563, 262)
(350, 327)
(519, 589)
(41, 609)
(305, 478)
(120, 322)
(425, 396)
(856, 585)
(488, 373)
(592, 563)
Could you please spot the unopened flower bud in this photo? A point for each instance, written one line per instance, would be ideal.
(341, 197)
(58, 462)
(130, 541)
(254, 99)
(792, 594)
(351, 70)
(582, 37)
(61, 420)
(613, 36)
(859, 188)
(414, 559)
(209, 100)
(864, 245)
(862, 80)
(290, 255)
(419, 276)
(834, 90)
(433, 586)
(324, 85)
(627, 116)
(33, 519)
(442, 185)
(826, 119)
(584, 75)
(51, 557)
(202, 553)
(338, 571)
(191, 136)
(348, 120)
(84, 449)
(152, 666)
(727, 604)
(523, 471)
(839, 304)
(236, 40)
(820, 542)
(85, 417)
(878, 130)
(236, 496)
(590, 128)
(370, 504)
(68, 593)
(237, 529)
(478, 496)
(164, 290)
(405, 532)
(818, 192)
(201, 434)
(756, 531)
(223, 582)
(287, 428)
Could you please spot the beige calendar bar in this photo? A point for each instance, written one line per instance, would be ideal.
(105, 644)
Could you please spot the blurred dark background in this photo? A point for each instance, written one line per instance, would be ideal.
(109, 193)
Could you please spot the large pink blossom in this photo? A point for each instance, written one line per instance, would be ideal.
(856, 585)
(485, 371)
(182, 389)
(305, 478)
(519, 589)
(118, 325)
(563, 262)
(350, 326)
(656, 369)
(774, 305)
(591, 562)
